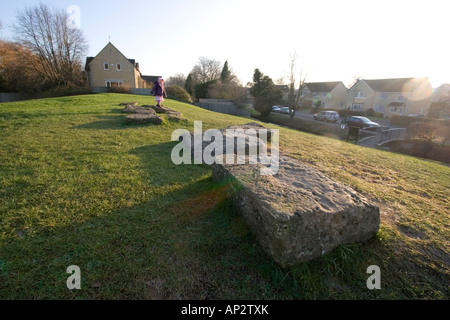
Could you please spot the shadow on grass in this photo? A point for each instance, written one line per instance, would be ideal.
(183, 243)
(112, 123)
(106, 123)
(176, 246)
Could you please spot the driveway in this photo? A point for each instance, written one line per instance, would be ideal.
(371, 141)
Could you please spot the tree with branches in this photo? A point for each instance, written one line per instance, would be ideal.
(206, 70)
(58, 49)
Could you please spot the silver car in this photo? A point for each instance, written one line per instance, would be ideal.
(284, 110)
(330, 116)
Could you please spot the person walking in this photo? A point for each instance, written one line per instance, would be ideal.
(159, 91)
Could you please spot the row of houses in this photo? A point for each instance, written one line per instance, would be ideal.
(401, 96)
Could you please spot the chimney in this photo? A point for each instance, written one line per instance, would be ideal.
(137, 66)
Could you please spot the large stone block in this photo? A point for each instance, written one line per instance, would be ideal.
(140, 118)
(298, 214)
(250, 137)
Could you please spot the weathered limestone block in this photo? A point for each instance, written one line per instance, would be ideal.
(243, 140)
(298, 214)
(140, 118)
(161, 109)
(128, 103)
(175, 113)
(173, 117)
(140, 110)
(255, 126)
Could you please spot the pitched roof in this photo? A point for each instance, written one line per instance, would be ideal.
(395, 85)
(150, 79)
(89, 59)
(321, 86)
(282, 87)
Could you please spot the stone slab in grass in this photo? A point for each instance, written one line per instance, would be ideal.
(141, 118)
(298, 214)
(136, 109)
(161, 109)
(241, 136)
(173, 117)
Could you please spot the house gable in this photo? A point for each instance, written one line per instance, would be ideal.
(399, 96)
(110, 67)
(323, 87)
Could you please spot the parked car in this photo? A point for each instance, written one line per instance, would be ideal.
(275, 109)
(360, 122)
(330, 116)
(284, 110)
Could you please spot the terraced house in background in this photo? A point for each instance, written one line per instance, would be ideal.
(402, 96)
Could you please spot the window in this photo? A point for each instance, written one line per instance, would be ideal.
(401, 98)
(382, 95)
(118, 67)
(357, 106)
(379, 109)
(360, 94)
(113, 83)
(106, 66)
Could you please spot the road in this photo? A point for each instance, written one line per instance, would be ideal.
(367, 142)
(307, 115)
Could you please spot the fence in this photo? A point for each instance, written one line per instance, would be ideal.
(138, 91)
(392, 134)
(10, 97)
(222, 106)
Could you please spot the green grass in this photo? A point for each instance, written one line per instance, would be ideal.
(78, 186)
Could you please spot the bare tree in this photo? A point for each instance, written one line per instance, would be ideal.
(58, 49)
(231, 90)
(15, 74)
(291, 97)
(301, 85)
(279, 81)
(179, 79)
(206, 70)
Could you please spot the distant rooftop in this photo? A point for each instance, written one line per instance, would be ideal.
(321, 86)
(395, 85)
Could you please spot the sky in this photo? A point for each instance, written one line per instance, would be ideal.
(333, 40)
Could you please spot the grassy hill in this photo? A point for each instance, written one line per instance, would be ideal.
(79, 187)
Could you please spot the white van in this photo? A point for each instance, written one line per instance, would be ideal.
(330, 116)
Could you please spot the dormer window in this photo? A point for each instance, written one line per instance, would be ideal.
(105, 66)
(118, 67)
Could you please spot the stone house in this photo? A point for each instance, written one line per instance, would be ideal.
(328, 95)
(110, 68)
(401, 96)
